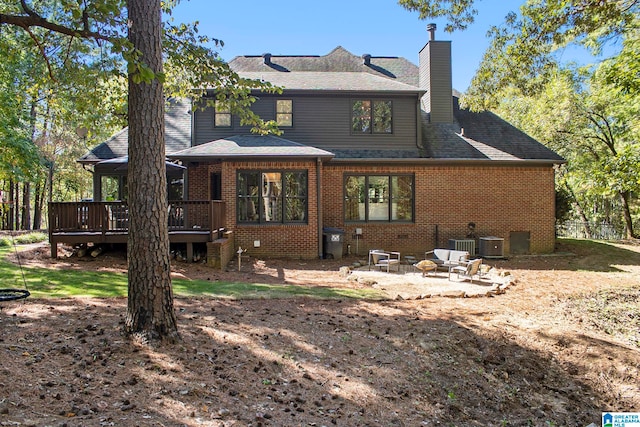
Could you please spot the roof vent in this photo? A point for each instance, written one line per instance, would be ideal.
(366, 59)
(432, 31)
(266, 57)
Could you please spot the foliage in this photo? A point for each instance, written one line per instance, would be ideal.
(521, 54)
(124, 38)
(594, 126)
(459, 13)
(563, 205)
(623, 71)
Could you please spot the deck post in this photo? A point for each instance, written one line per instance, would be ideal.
(189, 252)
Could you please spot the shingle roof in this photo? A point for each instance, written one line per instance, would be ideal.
(331, 81)
(485, 137)
(177, 134)
(481, 136)
(338, 60)
(376, 154)
(250, 146)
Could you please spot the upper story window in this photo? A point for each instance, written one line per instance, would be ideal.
(222, 115)
(371, 116)
(272, 197)
(284, 112)
(379, 198)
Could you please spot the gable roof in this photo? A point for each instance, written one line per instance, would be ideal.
(471, 137)
(331, 81)
(250, 146)
(177, 128)
(338, 60)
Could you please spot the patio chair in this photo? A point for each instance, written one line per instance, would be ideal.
(467, 270)
(381, 259)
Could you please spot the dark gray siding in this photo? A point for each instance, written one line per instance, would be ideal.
(323, 122)
(435, 77)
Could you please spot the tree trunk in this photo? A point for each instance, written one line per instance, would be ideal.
(583, 216)
(15, 198)
(4, 208)
(626, 211)
(26, 206)
(150, 313)
(38, 195)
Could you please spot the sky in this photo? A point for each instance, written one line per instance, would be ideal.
(376, 27)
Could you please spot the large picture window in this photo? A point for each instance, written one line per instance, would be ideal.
(272, 197)
(371, 116)
(379, 198)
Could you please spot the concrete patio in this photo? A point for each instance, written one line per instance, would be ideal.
(411, 284)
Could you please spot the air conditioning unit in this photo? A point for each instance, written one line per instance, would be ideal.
(492, 247)
(468, 245)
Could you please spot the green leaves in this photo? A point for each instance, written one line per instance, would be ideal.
(459, 13)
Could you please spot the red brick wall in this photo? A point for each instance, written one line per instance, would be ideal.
(498, 199)
(277, 241)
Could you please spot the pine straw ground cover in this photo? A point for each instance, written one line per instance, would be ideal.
(557, 348)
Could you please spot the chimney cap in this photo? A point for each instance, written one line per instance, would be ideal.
(431, 28)
(366, 59)
(266, 58)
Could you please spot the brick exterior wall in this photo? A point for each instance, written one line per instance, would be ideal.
(276, 240)
(498, 199)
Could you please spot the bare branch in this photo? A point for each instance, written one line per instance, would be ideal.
(34, 20)
(605, 130)
(42, 52)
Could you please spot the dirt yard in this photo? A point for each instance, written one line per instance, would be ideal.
(546, 352)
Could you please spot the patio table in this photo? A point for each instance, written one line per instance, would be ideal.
(425, 266)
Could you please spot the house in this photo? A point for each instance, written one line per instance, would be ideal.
(375, 147)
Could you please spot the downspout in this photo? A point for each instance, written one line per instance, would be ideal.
(185, 181)
(319, 203)
(192, 143)
(418, 123)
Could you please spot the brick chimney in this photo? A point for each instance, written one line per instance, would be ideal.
(435, 78)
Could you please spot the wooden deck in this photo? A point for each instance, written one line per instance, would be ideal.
(190, 221)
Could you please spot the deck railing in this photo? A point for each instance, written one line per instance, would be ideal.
(113, 217)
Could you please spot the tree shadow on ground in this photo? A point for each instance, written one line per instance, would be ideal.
(284, 362)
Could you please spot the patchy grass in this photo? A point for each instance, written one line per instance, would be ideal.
(51, 283)
(236, 290)
(615, 312)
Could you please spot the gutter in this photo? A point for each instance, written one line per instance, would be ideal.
(449, 162)
(319, 204)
